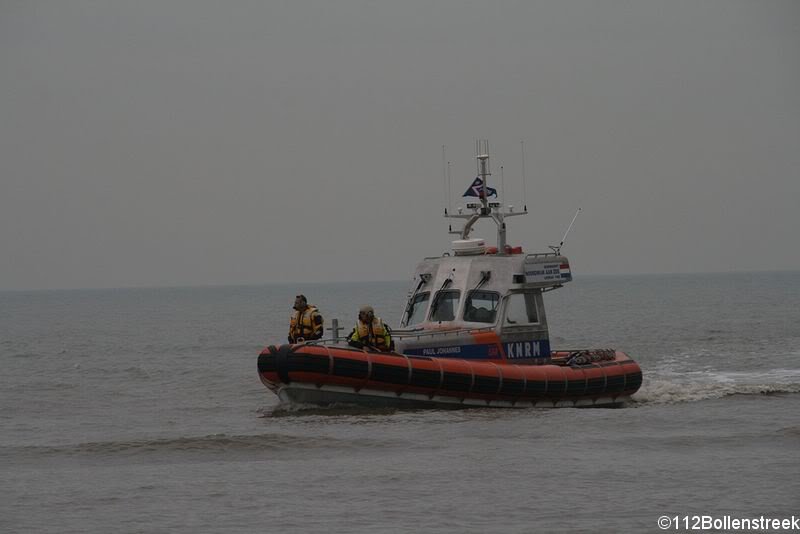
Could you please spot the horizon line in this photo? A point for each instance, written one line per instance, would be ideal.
(306, 283)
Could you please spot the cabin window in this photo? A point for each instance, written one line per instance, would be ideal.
(481, 306)
(417, 307)
(445, 305)
(521, 309)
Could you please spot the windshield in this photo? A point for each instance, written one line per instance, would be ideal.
(416, 310)
(445, 305)
(521, 309)
(481, 306)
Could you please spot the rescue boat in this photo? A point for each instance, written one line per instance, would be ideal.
(473, 333)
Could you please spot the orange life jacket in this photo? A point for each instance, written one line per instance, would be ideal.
(306, 324)
(375, 334)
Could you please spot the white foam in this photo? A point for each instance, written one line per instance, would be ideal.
(669, 387)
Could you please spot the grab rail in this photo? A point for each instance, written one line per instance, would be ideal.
(406, 334)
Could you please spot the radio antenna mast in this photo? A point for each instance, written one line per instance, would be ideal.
(449, 190)
(444, 182)
(557, 248)
(502, 186)
(524, 188)
(481, 207)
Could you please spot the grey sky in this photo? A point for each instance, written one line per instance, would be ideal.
(197, 142)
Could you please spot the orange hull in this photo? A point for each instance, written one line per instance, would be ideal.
(363, 374)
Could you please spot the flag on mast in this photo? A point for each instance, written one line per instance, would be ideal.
(476, 190)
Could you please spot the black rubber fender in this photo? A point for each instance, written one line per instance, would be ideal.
(282, 362)
(266, 360)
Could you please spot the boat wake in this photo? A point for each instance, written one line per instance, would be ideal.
(668, 387)
(290, 409)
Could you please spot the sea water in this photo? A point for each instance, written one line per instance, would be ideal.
(140, 410)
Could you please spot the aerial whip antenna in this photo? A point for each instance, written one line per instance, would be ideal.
(449, 192)
(502, 185)
(524, 189)
(557, 248)
(444, 182)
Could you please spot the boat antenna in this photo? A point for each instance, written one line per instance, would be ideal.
(557, 248)
(524, 189)
(449, 191)
(444, 182)
(482, 161)
(502, 186)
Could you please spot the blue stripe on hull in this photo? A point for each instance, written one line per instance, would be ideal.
(539, 348)
(465, 352)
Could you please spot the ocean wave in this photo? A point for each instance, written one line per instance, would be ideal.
(42, 386)
(28, 355)
(215, 443)
(790, 431)
(287, 409)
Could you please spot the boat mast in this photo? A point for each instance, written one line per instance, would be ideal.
(484, 208)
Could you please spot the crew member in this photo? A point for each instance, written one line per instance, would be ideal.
(370, 332)
(306, 322)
